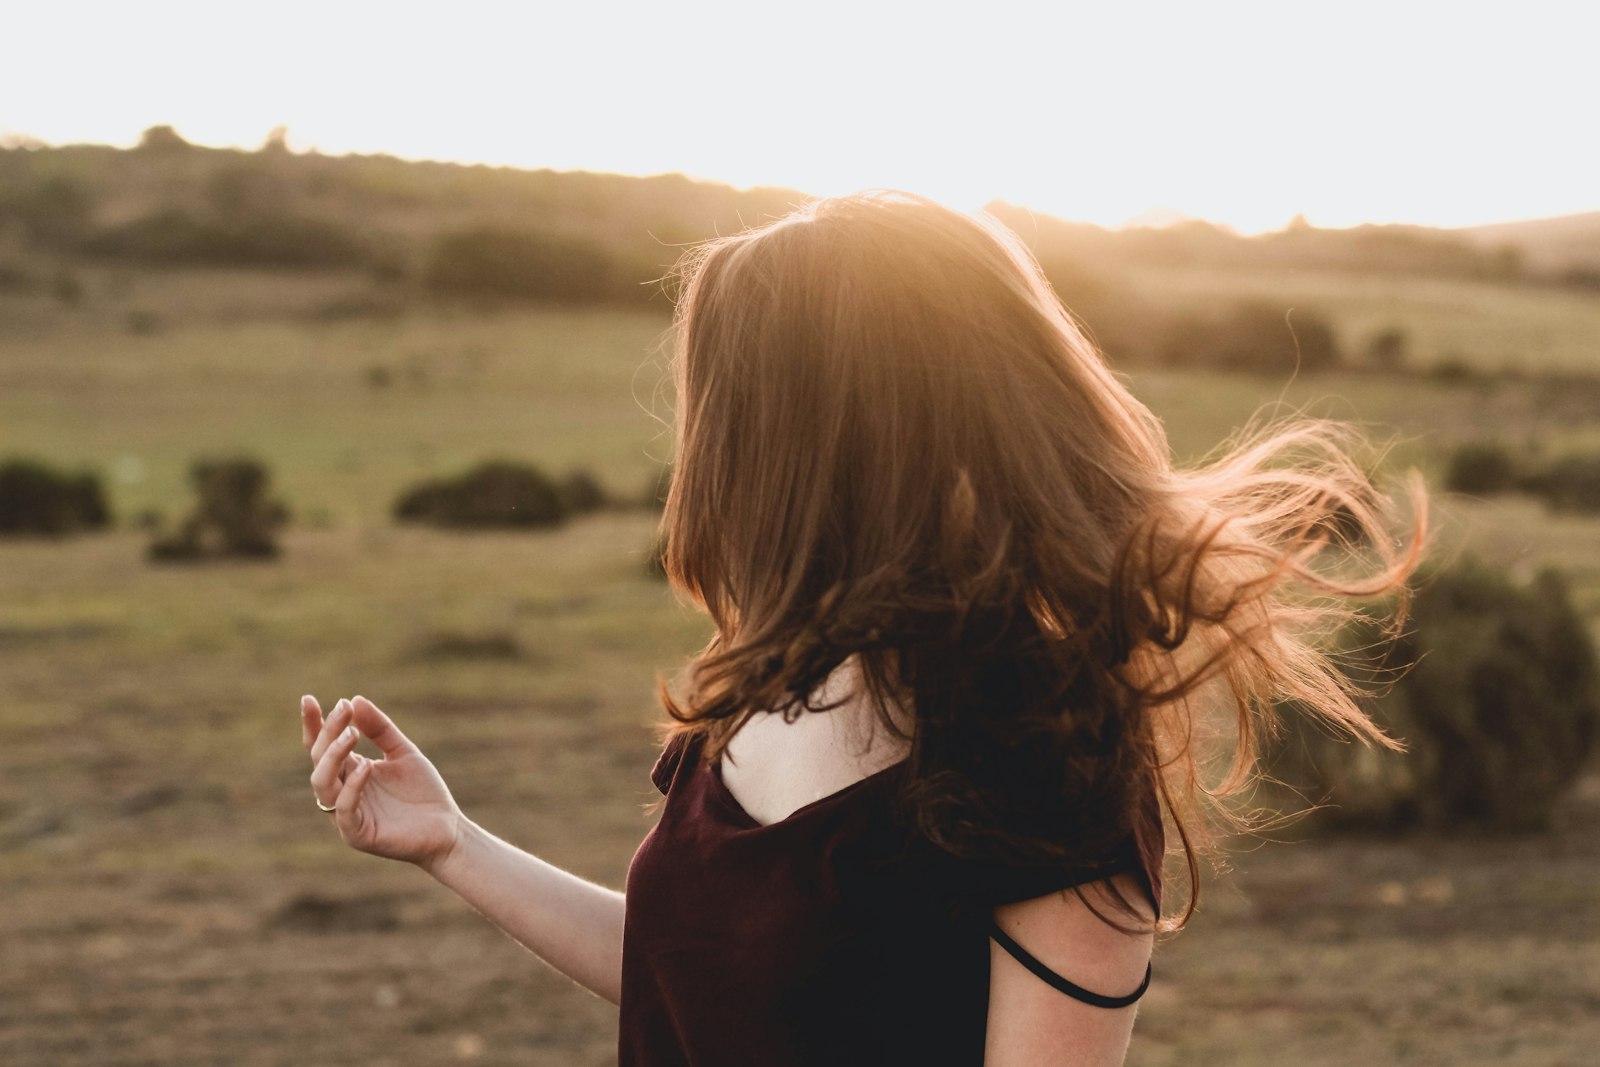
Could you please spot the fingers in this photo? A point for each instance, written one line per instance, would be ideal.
(338, 719)
(325, 775)
(348, 813)
(310, 720)
(375, 724)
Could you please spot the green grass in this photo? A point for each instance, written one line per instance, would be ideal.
(155, 820)
(1492, 326)
(565, 387)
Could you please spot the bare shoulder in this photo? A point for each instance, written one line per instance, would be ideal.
(773, 767)
(1062, 932)
(1032, 1021)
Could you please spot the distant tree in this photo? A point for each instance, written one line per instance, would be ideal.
(54, 211)
(1253, 336)
(248, 187)
(235, 514)
(36, 498)
(581, 492)
(1387, 350)
(1455, 369)
(1481, 468)
(277, 142)
(495, 493)
(161, 139)
(1571, 483)
(519, 263)
(266, 240)
(1119, 322)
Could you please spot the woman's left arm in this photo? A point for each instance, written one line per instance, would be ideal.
(1032, 1023)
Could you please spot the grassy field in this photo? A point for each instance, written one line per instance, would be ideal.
(172, 896)
(1494, 327)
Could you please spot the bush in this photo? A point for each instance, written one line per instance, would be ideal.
(519, 264)
(1501, 711)
(1571, 483)
(1256, 337)
(582, 492)
(496, 493)
(53, 211)
(175, 236)
(234, 516)
(162, 139)
(35, 498)
(1387, 350)
(1455, 370)
(1481, 469)
(451, 644)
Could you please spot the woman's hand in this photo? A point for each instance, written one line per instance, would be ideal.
(398, 806)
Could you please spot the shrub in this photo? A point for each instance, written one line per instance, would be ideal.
(1481, 469)
(452, 644)
(1387, 350)
(1501, 711)
(1571, 483)
(53, 211)
(36, 498)
(582, 492)
(162, 139)
(175, 236)
(234, 516)
(1256, 337)
(496, 493)
(1455, 370)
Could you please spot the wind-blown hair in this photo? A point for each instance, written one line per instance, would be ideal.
(892, 440)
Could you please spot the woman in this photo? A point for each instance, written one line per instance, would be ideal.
(911, 495)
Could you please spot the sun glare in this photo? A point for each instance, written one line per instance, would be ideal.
(1244, 114)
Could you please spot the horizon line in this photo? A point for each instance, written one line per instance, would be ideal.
(12, 139)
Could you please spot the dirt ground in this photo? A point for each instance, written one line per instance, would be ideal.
(171, 896)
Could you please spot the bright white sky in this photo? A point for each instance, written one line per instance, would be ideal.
(1438, 113)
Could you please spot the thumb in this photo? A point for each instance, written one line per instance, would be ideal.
(372, 722)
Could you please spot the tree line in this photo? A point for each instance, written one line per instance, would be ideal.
(494, 233)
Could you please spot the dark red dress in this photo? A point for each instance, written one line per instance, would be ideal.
(827, 938)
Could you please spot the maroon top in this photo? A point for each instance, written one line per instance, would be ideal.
(828, 937)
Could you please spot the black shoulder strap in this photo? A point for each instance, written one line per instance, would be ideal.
(1077, 992)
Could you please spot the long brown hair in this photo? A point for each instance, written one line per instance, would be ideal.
(892, 440)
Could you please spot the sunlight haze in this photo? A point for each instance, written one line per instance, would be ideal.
(1243, 114)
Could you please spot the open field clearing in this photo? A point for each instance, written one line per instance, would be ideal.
(172, 896)
(1487, 325)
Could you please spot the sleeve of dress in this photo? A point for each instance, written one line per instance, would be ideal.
(1141, 852)
(995, 884)
(667, 763)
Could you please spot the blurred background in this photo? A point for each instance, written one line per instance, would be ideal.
(332, 360)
